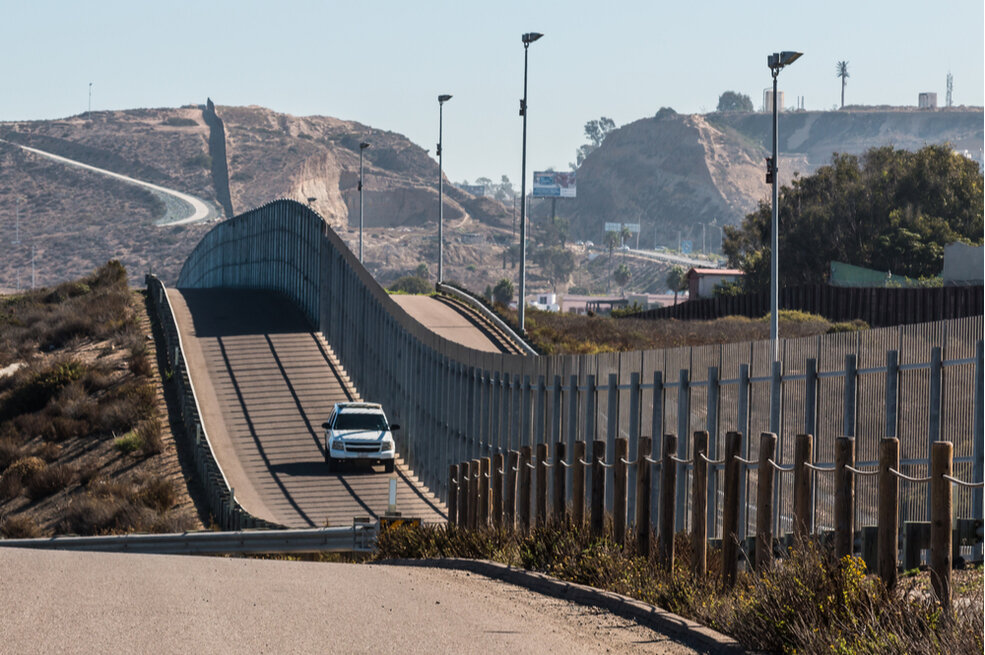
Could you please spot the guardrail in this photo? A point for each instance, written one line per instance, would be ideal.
(228, 513)
(360, 538)
(490, 316)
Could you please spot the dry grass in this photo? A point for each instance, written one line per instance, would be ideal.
(809, 603)
(85, 378)
(553, 333)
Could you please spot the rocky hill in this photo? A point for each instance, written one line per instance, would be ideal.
(672, 172)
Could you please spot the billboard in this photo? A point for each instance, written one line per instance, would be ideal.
(551, 184)
(617, 227)
(477, 190)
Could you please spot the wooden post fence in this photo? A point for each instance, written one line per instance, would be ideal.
(597, 517)
(844, 497)
(578, 484)
(941, 465)
(540, 507)
(463, 495)
(474, 494)
(668, 487)
(699, 505)
(524, 505)
(888, 540)
(730, 509)
(484, 476)
(557, 492)
(803, 512)
(619, 500)
(509, 492)
(497, 490)
(643, 496)
(453, 494)
(764, 501)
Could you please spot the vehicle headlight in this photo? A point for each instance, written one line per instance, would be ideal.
(338, 444)
(387, 445)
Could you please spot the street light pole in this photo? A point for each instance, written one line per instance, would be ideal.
(776, 62)
(442, 99)
(362, 146)
(527, 38)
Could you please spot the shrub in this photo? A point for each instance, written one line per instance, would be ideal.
(19, 526)
(411, 284)
(35, 394)
(12, 481)
(131, 442)
(10, 452)
(152, 442)
(158, 493)
(49, 480)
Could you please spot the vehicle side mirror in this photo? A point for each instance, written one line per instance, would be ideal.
(394, 426)
(326, 425)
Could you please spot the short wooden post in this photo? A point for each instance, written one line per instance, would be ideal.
(730, 509)
(888, 539)
(483, 517)
(540, 507)
(844, 497)
(941, 464)
(699, 505)
(668, 488)
(463, 495)
(803, 454)
(523, 509)
(643, 496)
(619, 499)
(453, 494)
(578, 485)
(474, 494)
(557, 491)
(509, 491)
(764, 501)
(597, 517)
(497, 490)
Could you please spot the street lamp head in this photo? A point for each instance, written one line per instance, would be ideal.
(363, 145)
(778, 60)
(530, 37)
(443, 98)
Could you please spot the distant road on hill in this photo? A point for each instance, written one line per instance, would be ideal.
(181, 208)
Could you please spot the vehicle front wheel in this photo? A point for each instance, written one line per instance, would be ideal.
(388, 466)
(333, 465)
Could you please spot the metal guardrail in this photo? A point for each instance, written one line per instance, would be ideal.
(490, 316)
(359, 538)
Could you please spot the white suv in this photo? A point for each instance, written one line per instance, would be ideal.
(359, 432)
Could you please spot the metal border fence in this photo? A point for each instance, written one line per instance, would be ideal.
(921, 383)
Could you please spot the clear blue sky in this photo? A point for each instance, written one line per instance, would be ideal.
(383, 63)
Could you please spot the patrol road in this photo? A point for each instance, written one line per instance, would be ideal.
(76, 602)
(265, 383)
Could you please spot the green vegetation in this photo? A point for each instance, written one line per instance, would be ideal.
(81, 376)
(200, 160)
(734, 101)
(502, 293)
(411, 284)
(809, 603)
(890, 210)
(595, 131)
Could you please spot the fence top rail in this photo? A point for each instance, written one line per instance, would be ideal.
(963, 483)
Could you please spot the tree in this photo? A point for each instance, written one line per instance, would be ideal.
(611, 241)
(411, 284)
(503, 291)
(422, 271)
(622, 276)
(890, 210)
(676, 280)
(504, 190)
(734, 101)
(624, 235)
(842, 72)
(556, 263)
(596, 131)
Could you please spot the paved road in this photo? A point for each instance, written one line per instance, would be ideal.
(201, 210)
(265, 385)
(72, 602)
(445, 321)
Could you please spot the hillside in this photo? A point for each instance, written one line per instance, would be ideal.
(673, 172)
(670, 173)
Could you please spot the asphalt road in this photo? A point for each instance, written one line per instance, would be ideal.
(265, 385)
(76, 602)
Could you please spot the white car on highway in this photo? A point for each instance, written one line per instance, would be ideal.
(359, 432)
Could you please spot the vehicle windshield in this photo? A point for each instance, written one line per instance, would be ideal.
(355, 421)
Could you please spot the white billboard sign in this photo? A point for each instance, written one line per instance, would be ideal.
(552, 184)
(617, 227)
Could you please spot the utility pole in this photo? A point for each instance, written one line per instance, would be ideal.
(89, 110)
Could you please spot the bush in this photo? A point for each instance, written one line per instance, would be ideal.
(13, 479)
(50, 480)
(411, 284)
(19, 526)
(149, 432)
(129, 443)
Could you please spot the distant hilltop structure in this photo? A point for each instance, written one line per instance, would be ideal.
(927, 100)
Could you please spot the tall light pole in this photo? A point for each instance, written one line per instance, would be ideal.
(362, 146)
(89, 110)
(528, 38)
(442, 99)
(776, 62)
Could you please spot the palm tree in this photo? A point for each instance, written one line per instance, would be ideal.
(676, 280)
(842, 69)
